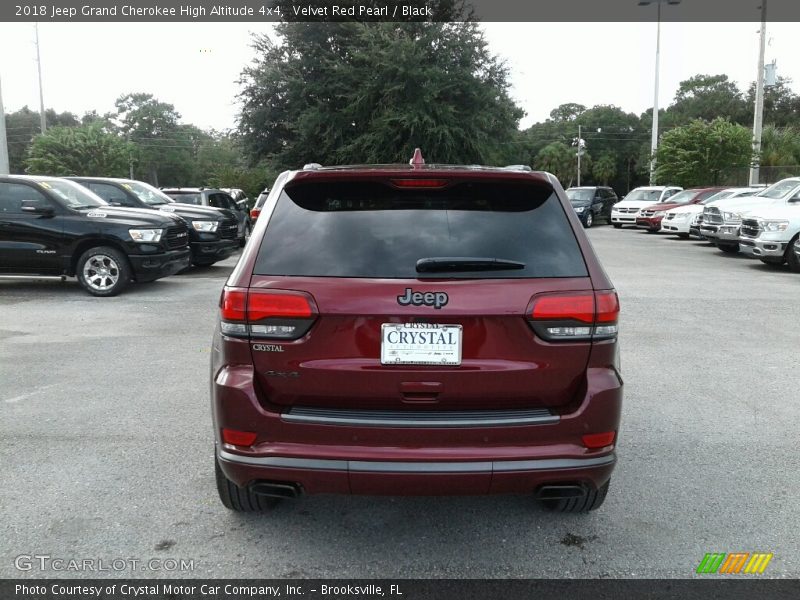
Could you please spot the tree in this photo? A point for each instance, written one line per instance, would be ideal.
(371, 92)
(605, 168)
(697, 153)
(781, 105)
(162, 147)
(706, 97)
(559, 159)
(780, 147)
(567, 112)
(23, 125)
(84, 150)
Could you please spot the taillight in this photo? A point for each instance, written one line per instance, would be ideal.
(254, 212)
(261, 313)
(419, 183)
(575, 316)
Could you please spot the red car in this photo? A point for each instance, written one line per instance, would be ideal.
(650, 217)
(416, 330)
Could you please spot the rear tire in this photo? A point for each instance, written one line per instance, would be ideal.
(240, 499)
(591, 501)
(729, 248)
(103, 271)
(617, 225)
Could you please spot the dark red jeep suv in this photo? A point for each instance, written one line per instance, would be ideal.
(416, 330)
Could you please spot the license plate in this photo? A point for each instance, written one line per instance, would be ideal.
(420, 344)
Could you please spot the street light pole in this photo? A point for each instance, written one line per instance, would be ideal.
(654, 136)
(758, 117)
(42, 118)
(4, 169)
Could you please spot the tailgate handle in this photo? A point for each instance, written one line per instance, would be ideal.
(420, 391)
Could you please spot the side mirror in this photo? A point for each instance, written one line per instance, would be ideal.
(37, 207)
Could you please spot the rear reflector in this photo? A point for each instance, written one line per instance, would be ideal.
(594, 441)
(238, 438)
(419, 183)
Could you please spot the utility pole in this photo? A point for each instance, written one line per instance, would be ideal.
(579, 155)
(4, 169)
(41, 91)
(758, 118)
(654, 135)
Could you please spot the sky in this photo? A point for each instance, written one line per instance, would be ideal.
(195, 66)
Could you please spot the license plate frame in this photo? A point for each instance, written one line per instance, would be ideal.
(398, 353)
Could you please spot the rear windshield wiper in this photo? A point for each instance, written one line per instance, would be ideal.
(465, 263)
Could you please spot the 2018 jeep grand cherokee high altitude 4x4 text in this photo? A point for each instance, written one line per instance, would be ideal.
(416, 330)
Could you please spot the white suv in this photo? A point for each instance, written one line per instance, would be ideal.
(624, 212)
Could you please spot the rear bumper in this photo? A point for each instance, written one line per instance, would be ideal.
(423, 478)
(384, 460)
(155, 266)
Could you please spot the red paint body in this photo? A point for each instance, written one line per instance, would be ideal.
(336, 365)
(653, 223)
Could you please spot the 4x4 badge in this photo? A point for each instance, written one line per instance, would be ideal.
(434, 299)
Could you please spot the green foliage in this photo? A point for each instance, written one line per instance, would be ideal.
(707, 97)
(84, 150)
(605, 168)
(252, 180)
(781, 105)
(697, 153)
(370, 92)
(567, 112)
(162, 146)
(780, 147)
(23, 125)
(559, 159)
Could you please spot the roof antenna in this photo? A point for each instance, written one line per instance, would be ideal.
(417, 160)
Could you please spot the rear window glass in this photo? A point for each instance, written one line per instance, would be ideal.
(374, 230)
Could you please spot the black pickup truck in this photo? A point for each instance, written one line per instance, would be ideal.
(51, 226)
(212, 231)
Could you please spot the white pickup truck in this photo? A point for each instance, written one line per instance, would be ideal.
(721, 225)
(773, 234)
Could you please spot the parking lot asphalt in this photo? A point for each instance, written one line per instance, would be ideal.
(106, 441)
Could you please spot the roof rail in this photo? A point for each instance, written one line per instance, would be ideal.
(518, 168)
(312, 167)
